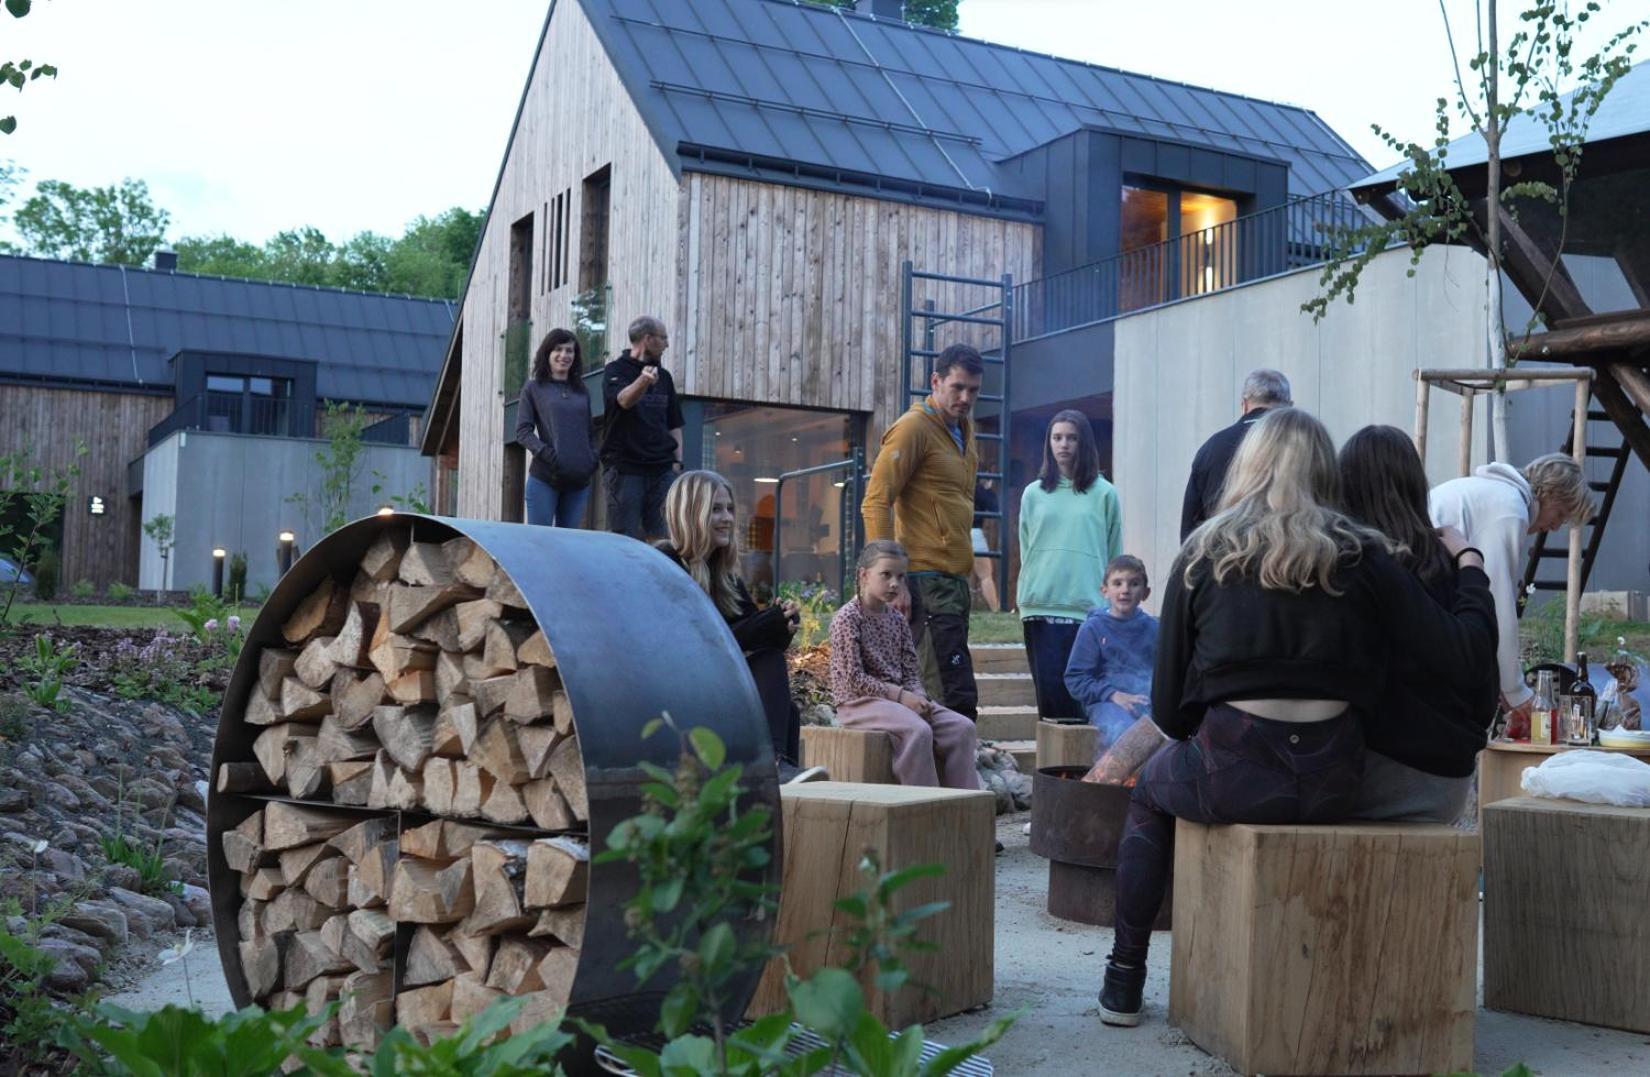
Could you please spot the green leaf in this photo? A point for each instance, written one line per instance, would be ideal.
(8, 124)
(677, 1012)
(652, 727)
(689, 1055)
(716, 947)
(668, 894)
(894, 881)
(829, 1003)
(708, 746)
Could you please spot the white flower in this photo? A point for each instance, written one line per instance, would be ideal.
(173, 954)
(212, 625)
(234, 623)
(40, 846)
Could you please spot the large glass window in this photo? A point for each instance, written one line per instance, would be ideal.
(752, 447)
(246, 405)
(1202, 256)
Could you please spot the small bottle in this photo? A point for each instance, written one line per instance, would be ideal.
(1583, 705)
(1541, 713)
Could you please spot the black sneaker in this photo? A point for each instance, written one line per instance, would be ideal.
(1120, 994)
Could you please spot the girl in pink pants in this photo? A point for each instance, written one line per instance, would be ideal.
(875, 684)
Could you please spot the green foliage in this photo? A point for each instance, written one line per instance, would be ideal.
(29, 1022)
(204, 609)
(43, 671)
(31, 505)
(169, 669)
(817, 603)
(118, 224)
(160, 532)
(14, 718)
(45, 568)
(149, 863)
(530, 1053)
(235, 586)
(19, 73)
(120, 592)
(939, 14)
(82, 589)
(338, 464)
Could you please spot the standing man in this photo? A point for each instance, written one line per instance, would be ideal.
(921, 494)
(1263, 390)
(639, 452)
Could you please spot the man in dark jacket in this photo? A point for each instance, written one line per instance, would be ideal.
(1263, 390)
(639, 452)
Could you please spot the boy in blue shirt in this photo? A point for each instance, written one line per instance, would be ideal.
(1110, 670)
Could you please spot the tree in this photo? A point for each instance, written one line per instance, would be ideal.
(221, 256)
(300, 256)
(1528, 78)
(433, 256)
(159, 530)
(19, 73)
(118, 224)
(939, 14)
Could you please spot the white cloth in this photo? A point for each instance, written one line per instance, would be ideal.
(1591, 777)
(1492, 508)
(981, 547)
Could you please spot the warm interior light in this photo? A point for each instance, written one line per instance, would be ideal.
(765, 478)
(219, 552)
(1208, 277)
(287, 536)
(839, 485)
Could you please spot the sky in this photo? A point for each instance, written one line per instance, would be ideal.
(250, 116)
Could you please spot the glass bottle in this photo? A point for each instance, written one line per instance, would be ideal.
(1583, 706)
(1541, 713)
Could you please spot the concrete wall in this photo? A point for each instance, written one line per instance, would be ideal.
(231, 490)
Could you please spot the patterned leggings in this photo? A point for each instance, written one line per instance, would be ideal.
(1237, 769)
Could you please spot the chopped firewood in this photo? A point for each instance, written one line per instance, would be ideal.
(321, 613)
(243, 847)
(565, 924)
(515, 966)
(431, 958)
(557, 970)
(354, 641)
(546, 806)
(328, 882)
(433, 1033)
(307, 957)
(440, 630)
(428, 892)
(537, 1008)
(504, 805)
(261, 710)
(425, 564)
(477, 950)
(301, 703)
(249, 920)
(366, 1010)
(491, 693)
(351, 782)
(444, 839)
(297, 862)
(275, 664)
(450, 681)
(471, 564)
(355, 697)
(272, 747)
(361, 838)
(558, 871)
(336, 929)
(337, 743)
(444, 738)
(410, 606)
(406, 733)
(476, 669)
(471, 788)
(503, 591)
(315, 665)
(466, 721)
(473, 618)
(567, 767)
(262, 884)
(242, 778)
(498, 873)
(366, 589)
(261, 963)
(440, 782)
(412, 688)
(393, 787)
(367, 941)
(306, 773)
(535, 651)
(394, 654)
(382, 561)
(561, 711)
(471, 996)
(496, 751)
(321, 991)
(289, 825)
(370, 880)
(537, 742)
(532, 694)
(503, 639)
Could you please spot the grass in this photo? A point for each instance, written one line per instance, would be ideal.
(985, 627)
(47, 615)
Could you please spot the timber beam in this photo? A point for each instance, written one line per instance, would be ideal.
(1628, 419)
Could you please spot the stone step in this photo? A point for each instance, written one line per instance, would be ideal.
(1006, 690)
(1024, 753)
(999, 658)
(1007, 723)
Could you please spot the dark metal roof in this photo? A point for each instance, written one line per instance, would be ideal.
(117, 326)
(782, 82)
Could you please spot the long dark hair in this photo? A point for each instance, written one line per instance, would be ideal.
(541, 358)
(1384, 486)
(1087, 467)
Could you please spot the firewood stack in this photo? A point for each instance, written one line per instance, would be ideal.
(425, 691)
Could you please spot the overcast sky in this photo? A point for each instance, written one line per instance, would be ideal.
(250, 116)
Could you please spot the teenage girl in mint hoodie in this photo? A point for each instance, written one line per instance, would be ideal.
(1071, 526)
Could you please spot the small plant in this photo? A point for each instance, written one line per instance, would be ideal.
(45, 574)
(236, 586)
(339, 465)
(211, 622)
(44, 669)
(29, 1022)
(13, 718)
(120, 593)
(150, 864)
(159, 530)
(31, 504)
(82, 589)
(818, 605)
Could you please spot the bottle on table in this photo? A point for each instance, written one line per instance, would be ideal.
(1583, 706)
(1542, 712)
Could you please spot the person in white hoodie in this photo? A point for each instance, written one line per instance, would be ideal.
(1496, 507)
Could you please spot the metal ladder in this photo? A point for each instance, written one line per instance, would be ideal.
(1539, 553)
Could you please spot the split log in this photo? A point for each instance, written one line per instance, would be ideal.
(537, 1009)
(473, 618)
(242, 778)
(444, 839)
(450, 680)
(394, 655)
(431, 1034)
(354, 642)
(567, 767)
(535, 651)
(338, 743)
(440, 781)
(360, 839)
(261, 710)
(537, 742)
(289, 825)
(440, 630)
(262, 884)
(367, 1009)
(557, 971)
(497, 751)
(261, 963)
(561, 712)
(503, 640)
(431, 958)
(315, 665)
(306, 773)
(471, 788)
(301, 703)
(491, 693)
(477, 950)
(471, 996)
(351, 781)
(546, 806)
(533, 693)
(297, 862)
(504, 804)
(370, 880)
(321, 992)
(466, 722)
(503, 590)
(271, 750)
(321, 613)
(430, 892)
(294, 910)
(354, 698)
(515, 968)
(307, 957)
(499, 877)
(275, 664)
(249, 920)
(411, 606)
(470, 563)
(425, 564)
(412, 688)
(407, 733)
(566, 925)
(368, 939)
(558, 871)
(328, 882)
(444, 739)
(366, 589)
(393, 787)
(382, 561)
(243, 847)
(336, 929)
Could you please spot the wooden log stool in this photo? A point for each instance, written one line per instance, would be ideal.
(1327, 949)
(828, 826)
(1065, 744)
(1565, 934)
(849, 755)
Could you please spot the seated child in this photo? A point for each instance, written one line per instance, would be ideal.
(1110, 670)
(875, 683)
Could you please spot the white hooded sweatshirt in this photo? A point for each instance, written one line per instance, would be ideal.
(1492, 507)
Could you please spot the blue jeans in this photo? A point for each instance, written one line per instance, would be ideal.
(636, 503)
(550, 507)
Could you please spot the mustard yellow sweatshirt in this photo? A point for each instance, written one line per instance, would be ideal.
(921, 491)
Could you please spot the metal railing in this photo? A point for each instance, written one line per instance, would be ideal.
(237, 413)
(1296, 234)
(853, 487)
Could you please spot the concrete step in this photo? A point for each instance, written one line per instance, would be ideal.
(1024, 753)
(999, 658)
(1007, 723)
(1006, 690)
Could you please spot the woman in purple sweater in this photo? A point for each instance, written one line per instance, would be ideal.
(553, 424)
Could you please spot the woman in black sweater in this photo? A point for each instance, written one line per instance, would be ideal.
(553, 424)
(1421, 753)
(1279, 621)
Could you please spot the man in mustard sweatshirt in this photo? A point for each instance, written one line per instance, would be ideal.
(921, 494)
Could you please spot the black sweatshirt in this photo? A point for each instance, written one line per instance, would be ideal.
(638, 440)
(753, 629)
(1240, 641)
(553, 424)
(1209, 469)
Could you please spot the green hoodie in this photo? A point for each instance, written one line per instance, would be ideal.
(1066, 541)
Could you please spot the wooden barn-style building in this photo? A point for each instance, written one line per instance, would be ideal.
(757, 172)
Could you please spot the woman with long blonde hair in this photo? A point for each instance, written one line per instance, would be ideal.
(1280, 619)
(699, 513)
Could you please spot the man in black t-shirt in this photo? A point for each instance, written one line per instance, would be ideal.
(1263, 391)
(639, 452)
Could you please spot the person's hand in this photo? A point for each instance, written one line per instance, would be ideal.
(649, 375)
(1518, 718)
(793, 616)
(902, 604)
(1132, 702)
(1454, 542)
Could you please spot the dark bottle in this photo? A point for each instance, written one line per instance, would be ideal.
(1583, 705)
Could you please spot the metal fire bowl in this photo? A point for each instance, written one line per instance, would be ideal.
(1078, 825)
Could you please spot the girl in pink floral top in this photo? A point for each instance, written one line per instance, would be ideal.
(875, 684)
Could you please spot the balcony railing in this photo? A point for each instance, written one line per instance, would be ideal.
(1265, 244)
(237, 413)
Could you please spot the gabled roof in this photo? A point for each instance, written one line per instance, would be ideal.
(786, 82)
(117, 327)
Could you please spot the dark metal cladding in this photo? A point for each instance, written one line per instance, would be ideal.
(634, 637)
(1078, 826)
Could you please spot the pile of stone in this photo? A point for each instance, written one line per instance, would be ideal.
(1000, 775)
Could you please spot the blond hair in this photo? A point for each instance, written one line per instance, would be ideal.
(687, 515)
(1277, 521)
(1557, 479)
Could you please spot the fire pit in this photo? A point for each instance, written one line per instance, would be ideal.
(1077, 825)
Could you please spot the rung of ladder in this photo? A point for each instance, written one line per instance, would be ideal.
(1598, 487)
(1555, 554)
(1599, 416)
(1600, 450)
(1550, 585)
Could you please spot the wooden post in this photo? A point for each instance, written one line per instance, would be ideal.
(1572, 579)
(1465, 460)
(1423, 397)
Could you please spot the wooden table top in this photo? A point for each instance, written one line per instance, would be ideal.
(1553, 749)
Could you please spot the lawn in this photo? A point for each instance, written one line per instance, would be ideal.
(986, 627)
(48, 614)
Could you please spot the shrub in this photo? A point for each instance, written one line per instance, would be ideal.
(120, 592)
(235, 588)
(82, 589)
(45, 574)
(150, 864)
(43, 671)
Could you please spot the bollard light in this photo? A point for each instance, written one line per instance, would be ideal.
(386, 510)
(283, 555)
(218, 554)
